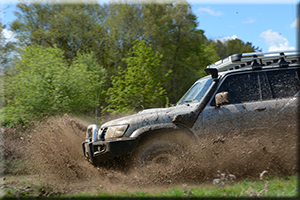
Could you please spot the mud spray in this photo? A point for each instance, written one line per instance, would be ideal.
(54, 155)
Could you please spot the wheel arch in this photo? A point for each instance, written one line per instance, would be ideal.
(163, 129)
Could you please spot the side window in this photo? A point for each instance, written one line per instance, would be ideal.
(242, 88)
(283, 83)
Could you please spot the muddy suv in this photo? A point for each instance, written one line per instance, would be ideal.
(244, 92)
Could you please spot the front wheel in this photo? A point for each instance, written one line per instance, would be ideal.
(161, 153)
(165, 148)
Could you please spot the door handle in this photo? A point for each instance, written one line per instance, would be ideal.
(260, 109)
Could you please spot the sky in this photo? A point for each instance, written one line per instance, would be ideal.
(269, 25)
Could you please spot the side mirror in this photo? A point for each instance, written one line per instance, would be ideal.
(222, 98)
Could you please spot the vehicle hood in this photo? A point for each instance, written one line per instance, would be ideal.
(151, 116)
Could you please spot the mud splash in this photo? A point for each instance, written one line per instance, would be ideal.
(54, 155)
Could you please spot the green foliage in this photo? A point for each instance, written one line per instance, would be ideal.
(2, 42)
(7, 49)
(172, 30)
(124, 24)
(72, 27)
(210, 52)
(45, 85)
(139, 86)
(108, 32)
(235, 46)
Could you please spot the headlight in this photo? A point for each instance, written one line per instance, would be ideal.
(115, 131)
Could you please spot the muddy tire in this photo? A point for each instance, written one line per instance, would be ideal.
(161, 153)
(163, 149)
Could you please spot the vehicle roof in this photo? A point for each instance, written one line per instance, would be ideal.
(253, 61)
(248, 69)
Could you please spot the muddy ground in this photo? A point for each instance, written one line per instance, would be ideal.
(51, 155)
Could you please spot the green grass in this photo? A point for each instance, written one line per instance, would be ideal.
(272, 187)
(27, 189)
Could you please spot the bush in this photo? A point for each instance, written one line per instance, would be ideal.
(46, 84)
(139, 86)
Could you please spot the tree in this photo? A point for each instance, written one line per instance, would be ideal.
(45, 85)
(2, 47)
(71, 27)
(210, 52)
(123, 22)
(7, 49)
(172, 30)
(235, 46)
(139, 86)
(109, 30)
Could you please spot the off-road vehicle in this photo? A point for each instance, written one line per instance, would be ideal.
(248, 91)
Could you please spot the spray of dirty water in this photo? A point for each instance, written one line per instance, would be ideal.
(56, 158)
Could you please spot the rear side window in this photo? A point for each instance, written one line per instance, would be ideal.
(283, 83)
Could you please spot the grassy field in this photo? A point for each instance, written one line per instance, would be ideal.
(273, 187)
(269, 187)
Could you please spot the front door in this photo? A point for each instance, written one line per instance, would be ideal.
(260, 101)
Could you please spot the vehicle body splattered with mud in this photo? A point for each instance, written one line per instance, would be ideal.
(243, 94)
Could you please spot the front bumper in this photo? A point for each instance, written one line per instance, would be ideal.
(99, 151)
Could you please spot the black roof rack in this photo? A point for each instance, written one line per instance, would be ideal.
(256, 60)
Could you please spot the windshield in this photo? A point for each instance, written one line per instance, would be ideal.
(197, 91)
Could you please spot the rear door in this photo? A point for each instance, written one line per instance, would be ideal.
(283, 103)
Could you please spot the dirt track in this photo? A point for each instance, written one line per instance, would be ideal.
(54, 156)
